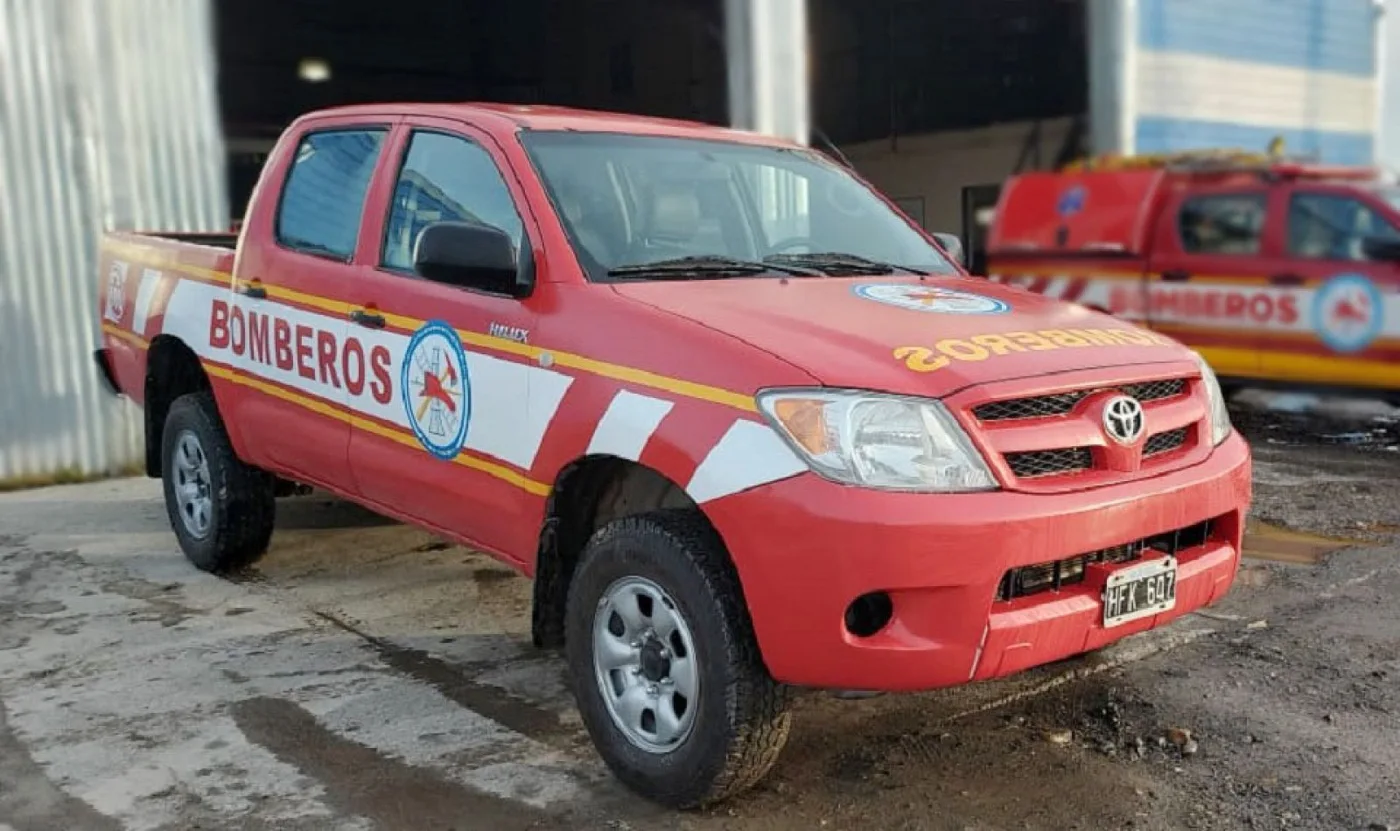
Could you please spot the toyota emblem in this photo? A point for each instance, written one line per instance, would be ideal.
(1122, 419)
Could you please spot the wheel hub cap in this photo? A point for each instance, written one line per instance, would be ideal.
(645, 664)
(655, 666)
(193, 488)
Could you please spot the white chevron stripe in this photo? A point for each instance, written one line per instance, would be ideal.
(145, 295)
(628, 425)
(749, 454)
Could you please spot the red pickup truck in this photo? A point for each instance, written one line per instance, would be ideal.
(746, 426)
(1277, 271)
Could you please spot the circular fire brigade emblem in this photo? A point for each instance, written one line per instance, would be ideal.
(436, 389)
(1071, 201)
(1348, 312)
(921, 298)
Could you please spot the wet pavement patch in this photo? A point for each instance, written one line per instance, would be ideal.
(393, 795)
(1263, 541)
(30, 802)
(453, 683)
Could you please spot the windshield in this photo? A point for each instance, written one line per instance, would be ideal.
(630, 201)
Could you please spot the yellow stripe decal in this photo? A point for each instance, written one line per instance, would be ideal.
(122, 334)
(617, 372)
(501, 472)
(1287, 366)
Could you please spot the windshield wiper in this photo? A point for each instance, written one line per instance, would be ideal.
(706, 265)
(840, 262)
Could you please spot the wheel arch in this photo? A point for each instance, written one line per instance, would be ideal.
(588, 493)
(172, 370)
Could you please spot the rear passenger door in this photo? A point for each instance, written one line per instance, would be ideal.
(1343, 335)
(469, 411)
(1208, 282)
(285, 333)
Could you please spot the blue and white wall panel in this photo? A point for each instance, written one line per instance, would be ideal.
(1237, 73)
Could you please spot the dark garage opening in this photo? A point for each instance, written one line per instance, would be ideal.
(884, 72)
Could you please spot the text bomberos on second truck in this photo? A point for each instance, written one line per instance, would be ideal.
(1273, 270)
(745, 425)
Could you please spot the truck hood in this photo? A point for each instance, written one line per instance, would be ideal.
(927, 337)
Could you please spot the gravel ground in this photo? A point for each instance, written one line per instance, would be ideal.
(366, 676)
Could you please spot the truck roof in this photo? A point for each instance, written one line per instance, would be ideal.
(1104, 205)
(508, 116)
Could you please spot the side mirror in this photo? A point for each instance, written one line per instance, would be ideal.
(952, 243)
(469, 255)
(1385, 250)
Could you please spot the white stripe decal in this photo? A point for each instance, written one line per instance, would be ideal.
(512, 404)
(749, 454)
(150, 281)
(628, 425)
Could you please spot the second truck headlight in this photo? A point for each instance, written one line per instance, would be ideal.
(880, 441)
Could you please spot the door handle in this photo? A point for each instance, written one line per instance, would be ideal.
(1175, 275)
(253, 290)
(1286, 279)
(367, 319)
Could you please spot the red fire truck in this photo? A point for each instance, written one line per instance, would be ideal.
(1274, 270)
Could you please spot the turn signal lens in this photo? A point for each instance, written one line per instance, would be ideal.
(805, 421)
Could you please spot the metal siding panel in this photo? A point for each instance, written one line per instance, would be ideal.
(1328, 35)
(1227, 73)
(108, 119)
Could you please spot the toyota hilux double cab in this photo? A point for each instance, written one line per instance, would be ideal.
(745, 426)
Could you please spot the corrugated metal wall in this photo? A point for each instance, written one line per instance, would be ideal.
(108, 119)
(1236, 73)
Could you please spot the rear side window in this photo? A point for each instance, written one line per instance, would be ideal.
(1230, 223)
(325, 191)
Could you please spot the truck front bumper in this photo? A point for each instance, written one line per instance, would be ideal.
(807, 548)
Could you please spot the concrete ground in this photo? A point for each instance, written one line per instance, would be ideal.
(367, 676)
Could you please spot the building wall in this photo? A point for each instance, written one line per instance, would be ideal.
(1237, 73)
(935, 167)
(107, 120)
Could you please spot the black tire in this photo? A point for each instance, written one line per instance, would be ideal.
(243, 505)
(738, 732)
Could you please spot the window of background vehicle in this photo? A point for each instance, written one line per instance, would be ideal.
(629, 200)
(1325, 226)
(446, 178)
(324, 195)
(1230, 223)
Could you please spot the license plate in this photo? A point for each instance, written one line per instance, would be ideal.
(1141, 591)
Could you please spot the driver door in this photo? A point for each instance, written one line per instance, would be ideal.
(454, 447)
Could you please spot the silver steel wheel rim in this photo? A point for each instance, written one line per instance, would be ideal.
(645, 663)
(193, 489)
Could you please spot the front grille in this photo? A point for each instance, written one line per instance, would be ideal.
(1058, 404)
(1036, 463)
(1044, 577)
(1165, 442)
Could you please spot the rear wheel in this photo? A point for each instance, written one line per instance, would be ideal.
(664, 662)
(221, 509)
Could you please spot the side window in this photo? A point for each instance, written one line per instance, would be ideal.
(445, 178)
(324, 196)
(1324, 226)
(1223, 223)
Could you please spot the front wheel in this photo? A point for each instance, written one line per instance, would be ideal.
(664, 663)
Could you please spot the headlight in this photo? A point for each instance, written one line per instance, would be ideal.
(886, 442)
(1220, 426)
